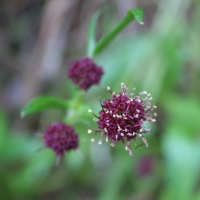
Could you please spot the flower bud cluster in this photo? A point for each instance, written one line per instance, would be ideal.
(122, 118)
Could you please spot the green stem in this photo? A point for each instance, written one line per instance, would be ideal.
(73, 112)
(131, 15)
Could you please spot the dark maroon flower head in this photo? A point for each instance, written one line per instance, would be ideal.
(85, 73)
(60, 137)
(123, 117)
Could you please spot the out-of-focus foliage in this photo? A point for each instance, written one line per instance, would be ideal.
(161, 57)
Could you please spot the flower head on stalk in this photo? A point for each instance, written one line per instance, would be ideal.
(123, 117)
(61, 138)
(85, 73)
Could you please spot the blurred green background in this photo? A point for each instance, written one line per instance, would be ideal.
(38, 41)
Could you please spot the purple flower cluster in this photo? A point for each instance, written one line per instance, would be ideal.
(123, 117)
(85, 73)
(60, 137)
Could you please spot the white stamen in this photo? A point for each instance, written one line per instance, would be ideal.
(153, 120)
(119, 128)
(130, 153)
(92, 140)
(89, 131)
(100, 142)
(105, 129)
(126, 148)
(106, 139)
(89, 110)
(145, 141)
(155, 106)
(136, 116)
(108, 88)
(155, 114)
(112, 144)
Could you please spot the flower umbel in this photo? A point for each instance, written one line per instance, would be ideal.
(60, 137)
(123, 117)
(85, 73)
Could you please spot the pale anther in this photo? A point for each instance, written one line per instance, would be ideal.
(100, 142)
(89, 131)
(112, 144)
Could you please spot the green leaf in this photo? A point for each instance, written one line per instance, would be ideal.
(91, 41)
(42, 103)
(136, 13)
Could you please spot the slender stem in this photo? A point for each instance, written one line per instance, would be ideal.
(72, 113)
(102, 43)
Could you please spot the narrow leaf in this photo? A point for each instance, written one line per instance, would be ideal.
(42, 103)
(136, 13)
(91, 42)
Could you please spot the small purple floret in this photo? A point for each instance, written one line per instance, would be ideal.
(85, 73)
(60, 137)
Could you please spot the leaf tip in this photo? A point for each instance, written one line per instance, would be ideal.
(138, 13)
